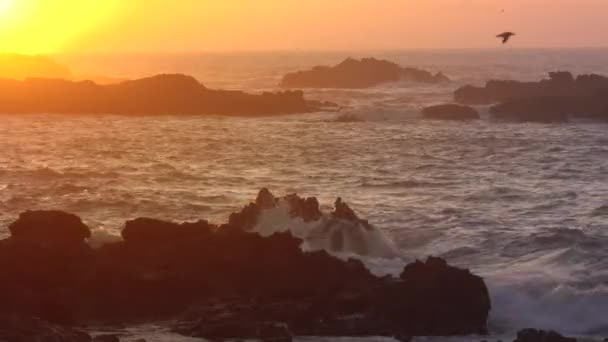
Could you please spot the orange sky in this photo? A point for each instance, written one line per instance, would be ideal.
(40, 26)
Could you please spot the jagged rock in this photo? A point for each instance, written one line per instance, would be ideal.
(352, 73)
(157, 95)
(306, 208)
(534, 335)
(230, 281)
(450, 112)
(343, 211)
(436, 295)
(49, 228)
(24, 329)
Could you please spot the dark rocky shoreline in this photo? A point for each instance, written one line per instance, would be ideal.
(225, 281)
(158, 95)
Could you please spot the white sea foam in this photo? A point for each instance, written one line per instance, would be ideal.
(102, 236)
(334, 235)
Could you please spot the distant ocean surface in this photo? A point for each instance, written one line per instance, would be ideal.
(524, 205)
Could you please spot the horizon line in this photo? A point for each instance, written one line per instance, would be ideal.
(313, 50)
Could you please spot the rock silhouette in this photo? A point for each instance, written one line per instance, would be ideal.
(559, 98)
(218, 280)
(162, 94)
(364, 73)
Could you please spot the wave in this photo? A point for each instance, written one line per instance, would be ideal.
(548, 305)
(335, 235)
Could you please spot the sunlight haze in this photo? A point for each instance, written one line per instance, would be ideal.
(42, 26)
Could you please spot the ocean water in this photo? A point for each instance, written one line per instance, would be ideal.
(524, 205)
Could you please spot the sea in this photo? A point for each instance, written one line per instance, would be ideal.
(525, 205)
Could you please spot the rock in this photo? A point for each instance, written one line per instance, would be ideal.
(343, 211)
(306, 208)
(436, 295)
(49, 228)
(536, 109)
(228, 282)
(265, 199)
(23, 329)
(352, 73)
(152, 232)
(557, 99)
(450, 112)
(157, 95)
(107, 338)
(534, 335)
(558, 84)
(260, 331)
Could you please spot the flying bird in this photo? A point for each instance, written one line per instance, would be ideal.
(505, 36)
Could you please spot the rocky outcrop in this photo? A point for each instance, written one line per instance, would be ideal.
(364, 73)
(534, 335)
(557, 85)
(49, 228)
(557, 99)
(450, 112)
(553, 108)
(162, 94)
(20, 329)
(228, 281)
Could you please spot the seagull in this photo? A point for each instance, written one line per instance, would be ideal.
(505, 36)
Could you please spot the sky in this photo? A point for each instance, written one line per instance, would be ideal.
(50, 26)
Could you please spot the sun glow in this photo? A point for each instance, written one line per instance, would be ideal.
(5, 6)
(46, 26)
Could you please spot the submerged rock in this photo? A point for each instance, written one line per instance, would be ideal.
(231, 282)
(364, 73)
(450, 112)
(157, 95)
